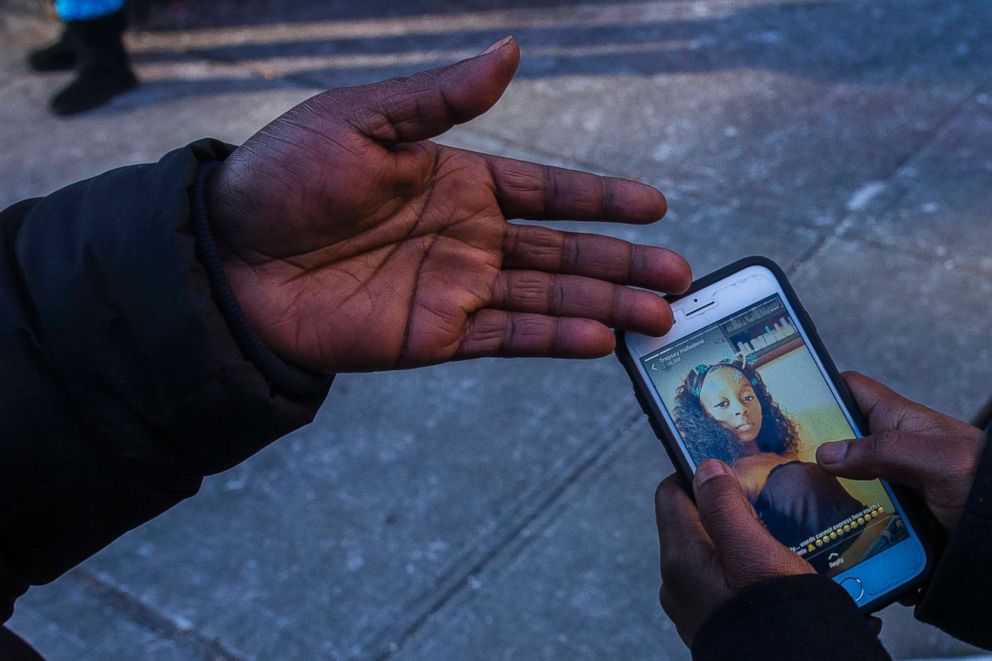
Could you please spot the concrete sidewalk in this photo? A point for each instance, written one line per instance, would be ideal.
(504, 509)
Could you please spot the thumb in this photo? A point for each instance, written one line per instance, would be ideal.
(894, 456)
(748, 551)
(428, 103)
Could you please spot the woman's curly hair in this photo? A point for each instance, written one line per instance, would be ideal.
(704, 436)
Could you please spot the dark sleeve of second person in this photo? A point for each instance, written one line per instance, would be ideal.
(124, 380)
(807, 618)
(958, 598)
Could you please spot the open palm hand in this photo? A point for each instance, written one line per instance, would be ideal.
(353, 242)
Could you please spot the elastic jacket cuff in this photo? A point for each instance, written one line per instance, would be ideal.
(284, 377)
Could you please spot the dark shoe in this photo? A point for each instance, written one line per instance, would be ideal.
(54, 57)
(91, 90)
(104, 71)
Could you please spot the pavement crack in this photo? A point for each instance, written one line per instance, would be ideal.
(150, 618)
(879, 184)
(511, 539)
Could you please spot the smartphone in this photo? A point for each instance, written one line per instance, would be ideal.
(743, 377)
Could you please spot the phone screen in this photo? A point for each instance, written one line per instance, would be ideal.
(747, 390)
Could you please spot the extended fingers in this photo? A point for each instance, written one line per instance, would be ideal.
(544, 192)
(577, 296)
(507, 334)
(428, 103)
(595, 256)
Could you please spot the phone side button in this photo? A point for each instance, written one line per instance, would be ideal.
(854, 587)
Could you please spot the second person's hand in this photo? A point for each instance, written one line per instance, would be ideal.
(911, 445)
(352, 242)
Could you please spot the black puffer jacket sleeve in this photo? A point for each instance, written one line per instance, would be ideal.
(959, 596)
(122, 382)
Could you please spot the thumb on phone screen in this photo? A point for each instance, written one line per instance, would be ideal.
(749, 552)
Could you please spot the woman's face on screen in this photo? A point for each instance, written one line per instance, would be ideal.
(728, 398)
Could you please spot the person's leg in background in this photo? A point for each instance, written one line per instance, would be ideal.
(92, 42)
(58, 56)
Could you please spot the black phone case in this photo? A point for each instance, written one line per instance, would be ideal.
(643, 393)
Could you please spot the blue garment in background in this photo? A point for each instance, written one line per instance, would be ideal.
(84, 10)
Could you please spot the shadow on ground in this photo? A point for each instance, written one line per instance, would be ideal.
(273, 45)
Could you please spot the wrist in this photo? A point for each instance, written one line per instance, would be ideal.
(220, 208)
(221, 265)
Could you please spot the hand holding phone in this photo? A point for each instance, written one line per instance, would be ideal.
(911, 445)
(743, 377)
(713, 548)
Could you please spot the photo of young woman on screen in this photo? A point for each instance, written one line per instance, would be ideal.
(728, 413)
